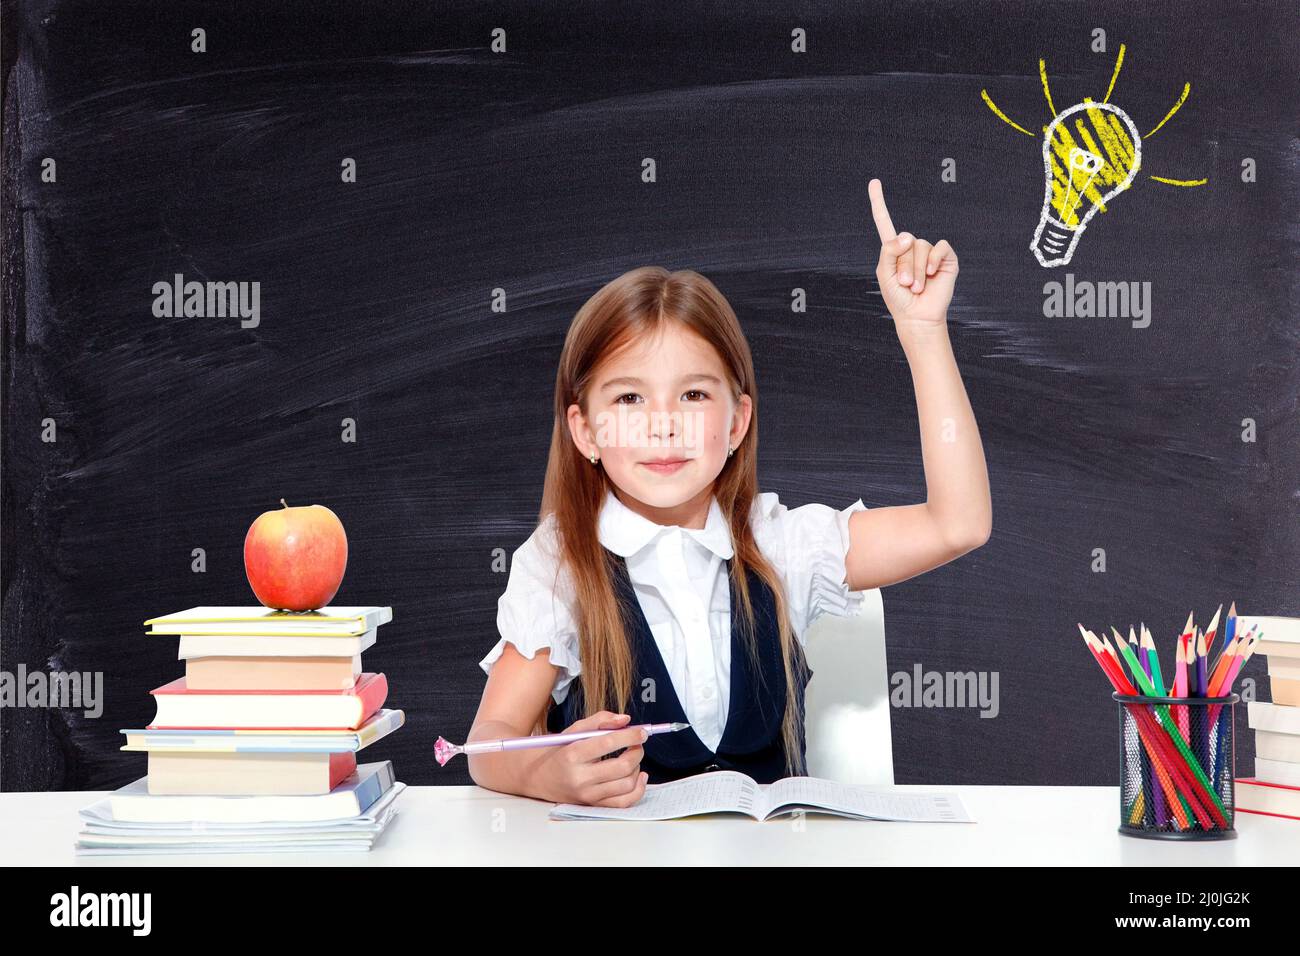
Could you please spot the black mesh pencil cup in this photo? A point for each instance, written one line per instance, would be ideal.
(1176, 767)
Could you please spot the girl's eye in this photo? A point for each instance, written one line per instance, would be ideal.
(699, 396)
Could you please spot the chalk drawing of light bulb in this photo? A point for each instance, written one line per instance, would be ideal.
(1080, 182)
(1091, 153)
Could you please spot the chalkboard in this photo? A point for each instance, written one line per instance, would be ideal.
(502, 146)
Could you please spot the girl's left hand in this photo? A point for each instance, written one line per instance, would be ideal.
(916, 278)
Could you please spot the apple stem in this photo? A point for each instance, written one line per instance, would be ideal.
(283, 502)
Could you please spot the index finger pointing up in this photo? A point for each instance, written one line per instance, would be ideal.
(884, 225)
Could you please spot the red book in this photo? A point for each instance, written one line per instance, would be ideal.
(1271, 799)
(180, 707)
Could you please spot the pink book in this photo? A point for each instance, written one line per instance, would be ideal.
(181, 707)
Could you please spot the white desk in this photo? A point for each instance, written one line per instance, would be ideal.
(468, 825)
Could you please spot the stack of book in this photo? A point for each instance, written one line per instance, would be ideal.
(255, 748)
(1275, 788)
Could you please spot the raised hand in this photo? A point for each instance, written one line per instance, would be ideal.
(916, 278)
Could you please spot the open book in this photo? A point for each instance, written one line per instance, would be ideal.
(727, 791)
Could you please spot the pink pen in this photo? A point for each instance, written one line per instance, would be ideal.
(444, 751)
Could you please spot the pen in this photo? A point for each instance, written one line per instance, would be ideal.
(444, 750)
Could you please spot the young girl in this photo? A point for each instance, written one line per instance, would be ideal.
(660, 585)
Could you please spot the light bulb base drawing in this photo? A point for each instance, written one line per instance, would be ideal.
(1054, 242)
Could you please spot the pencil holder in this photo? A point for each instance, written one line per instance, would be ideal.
(1176, 767)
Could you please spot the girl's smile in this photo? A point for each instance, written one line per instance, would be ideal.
(666, 466)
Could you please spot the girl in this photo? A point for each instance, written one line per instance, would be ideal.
(619, 609)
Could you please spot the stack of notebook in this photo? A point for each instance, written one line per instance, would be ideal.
(255, 748)
(1275, 788)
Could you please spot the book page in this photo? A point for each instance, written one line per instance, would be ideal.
(844, 799)
(714, 792)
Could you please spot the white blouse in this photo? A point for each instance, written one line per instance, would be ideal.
(679, 579)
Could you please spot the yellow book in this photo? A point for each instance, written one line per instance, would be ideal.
(339, 621)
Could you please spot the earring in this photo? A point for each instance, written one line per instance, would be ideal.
(594, 459)
(730, 451)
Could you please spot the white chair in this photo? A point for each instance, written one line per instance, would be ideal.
(846, 722)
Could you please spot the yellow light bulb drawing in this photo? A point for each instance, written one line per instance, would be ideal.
(1080, 180)
(1091, 153)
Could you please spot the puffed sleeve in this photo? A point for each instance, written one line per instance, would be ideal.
(808, 545)
(534, 611)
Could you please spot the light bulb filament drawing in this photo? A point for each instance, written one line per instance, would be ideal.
(1088, 163)
(1092, 152)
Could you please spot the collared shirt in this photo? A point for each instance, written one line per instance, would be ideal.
(680, 580)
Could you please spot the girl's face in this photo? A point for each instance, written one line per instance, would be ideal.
(660, 417)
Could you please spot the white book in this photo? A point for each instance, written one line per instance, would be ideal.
(1260, 796)
(1277, 718)
(180, 708)
(1283, 649)
(260, 645)
(379, 725)
(331, 621)
(727, 791)
(1283, 629)
(348, 799)
(1287, 668)
(1273, 746)
(1277, 771)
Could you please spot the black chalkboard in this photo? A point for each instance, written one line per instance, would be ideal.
(521, 171)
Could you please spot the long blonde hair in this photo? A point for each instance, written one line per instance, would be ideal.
(639, 303)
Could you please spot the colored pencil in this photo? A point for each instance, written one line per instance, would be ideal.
(1230, 624)
(1150, 647)
(1180, 690)
(1210, 631)
(1222, 665)
(1202, 682)
(1148, 768)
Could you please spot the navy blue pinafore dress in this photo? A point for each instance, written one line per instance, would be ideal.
(751, 741)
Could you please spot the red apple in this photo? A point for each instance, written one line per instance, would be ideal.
(295, 557)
